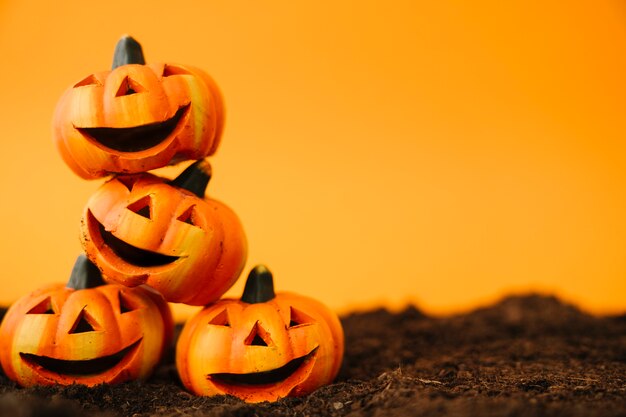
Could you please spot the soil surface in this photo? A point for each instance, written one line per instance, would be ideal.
(525, 356)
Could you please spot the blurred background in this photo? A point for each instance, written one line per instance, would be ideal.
(439, 153)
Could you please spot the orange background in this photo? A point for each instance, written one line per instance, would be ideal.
(438, 152)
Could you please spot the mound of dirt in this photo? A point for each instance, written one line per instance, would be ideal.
(530, 356)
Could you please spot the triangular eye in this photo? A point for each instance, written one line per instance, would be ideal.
(142, 207)
(170, 70)
(128, 87)
(44, 307)
(84, 323)
(127, 181)
(258, 337)
(90, 80)
(221, 319)
(188, 216)
(298, 318)
(125, 304)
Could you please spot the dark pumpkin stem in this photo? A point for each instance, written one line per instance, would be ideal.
(127, 51)
(85, 275)
(259, 286)
(195, 178)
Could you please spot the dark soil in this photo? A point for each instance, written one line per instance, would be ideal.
(525, 356)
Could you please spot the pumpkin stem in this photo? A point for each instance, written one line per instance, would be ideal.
(195, 177)
(127, 51)
(84, 274)
(259, 286)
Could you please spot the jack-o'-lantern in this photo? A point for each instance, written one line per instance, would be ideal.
(140, 229)
(87, 332)
(263, 347)
(137, 117)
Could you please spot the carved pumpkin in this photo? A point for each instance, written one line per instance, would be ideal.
(143, 230)
(261, 348)
(137, 117)
(86, 332)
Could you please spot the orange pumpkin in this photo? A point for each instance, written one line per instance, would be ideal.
(143, 230)
(261, 348)
(86, 332)
(137, 117)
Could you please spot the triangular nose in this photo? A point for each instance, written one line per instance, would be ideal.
(258, 341)
(128, 87)
(82, 325)
(257, 337)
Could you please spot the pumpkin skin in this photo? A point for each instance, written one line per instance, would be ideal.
(288, 345)
(138, 117)
(142, 230)
(106, 334)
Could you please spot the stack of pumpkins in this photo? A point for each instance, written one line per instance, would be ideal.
(149, 241)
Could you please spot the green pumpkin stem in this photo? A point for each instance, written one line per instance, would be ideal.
(259, 286)
(195, 178)
(84, 275)
(127, 51)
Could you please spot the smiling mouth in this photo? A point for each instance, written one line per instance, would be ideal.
(263, 378)
(129, 253)
(76, 367)
(137, 138)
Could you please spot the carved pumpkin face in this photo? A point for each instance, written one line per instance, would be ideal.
(142, 230)
(105, 334)
(260, 349)
(137, 117)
